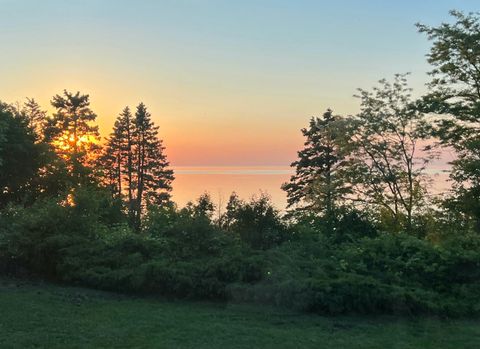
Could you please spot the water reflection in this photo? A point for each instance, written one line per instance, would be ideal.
(190, 182)
(220, 182)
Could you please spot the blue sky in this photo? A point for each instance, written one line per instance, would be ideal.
(228, 82)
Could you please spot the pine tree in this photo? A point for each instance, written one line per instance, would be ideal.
(111, 161)
(71, 131)
(317, 185)
(36, 116)
(153, 178)
(116, 160)
(134, 163)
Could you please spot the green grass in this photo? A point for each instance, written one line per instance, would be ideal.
(48, 316)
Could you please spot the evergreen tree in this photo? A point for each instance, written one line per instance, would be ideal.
(36, 116)
(116, 152)
(318, 185)
(134, 163)
(71, 132)
(153, 178)
(117, 160)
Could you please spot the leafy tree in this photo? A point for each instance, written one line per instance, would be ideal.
(20, 156)
(71, 132)
(204, 207)
(387, 168)
(228, 217)
(455, 97)
(319, 185)
(256, 222)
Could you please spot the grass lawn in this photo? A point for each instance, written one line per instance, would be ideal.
(48, 316)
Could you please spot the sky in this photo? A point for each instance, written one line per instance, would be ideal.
(228, 82)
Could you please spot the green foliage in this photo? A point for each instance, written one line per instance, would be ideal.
(397, 274)
(362, 240)
(21, 158)
(134, 164)
(387, 169)
(319, 185)
(39, 237)
(71, 132)
(256, 222)
(454, 97)
(183, 254)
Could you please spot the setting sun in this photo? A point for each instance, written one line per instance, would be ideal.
(66, 142)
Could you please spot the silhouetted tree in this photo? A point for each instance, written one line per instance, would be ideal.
(20, 156)
(203, 207)
(135, 165)
(153, 178)
(318, 185)
(228, 217)
(256, 222)
(455, 96)
(36, 117)
(387, 169)
(71, 131)
(116, 159)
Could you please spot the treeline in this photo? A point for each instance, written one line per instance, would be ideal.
(362, 233)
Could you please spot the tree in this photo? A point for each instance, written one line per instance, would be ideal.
(153, 178)
(71, 132)
(116, 160)
(455, 96)
(387, 168)
(256, 222)
(226, 219)
(36, 117)
(204, 207)
(134, 163)
(20, 156)
(318, 185)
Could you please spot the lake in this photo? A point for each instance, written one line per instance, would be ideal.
(220, 182)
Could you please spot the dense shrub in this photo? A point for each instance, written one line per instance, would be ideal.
(384, 274)
(255, 222)
(183, 253)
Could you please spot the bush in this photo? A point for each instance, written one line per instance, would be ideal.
(256, 222)
(182, 253)
(397, 274)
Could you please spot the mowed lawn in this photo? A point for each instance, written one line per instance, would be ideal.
(48, 316)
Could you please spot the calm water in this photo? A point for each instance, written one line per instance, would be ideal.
(220, 182)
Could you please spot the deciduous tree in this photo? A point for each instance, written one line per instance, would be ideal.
(455, 96)
(388, 163)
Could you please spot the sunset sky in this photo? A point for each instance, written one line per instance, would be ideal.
(229, 83)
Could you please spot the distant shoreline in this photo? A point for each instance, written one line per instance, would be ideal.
(233, 170)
